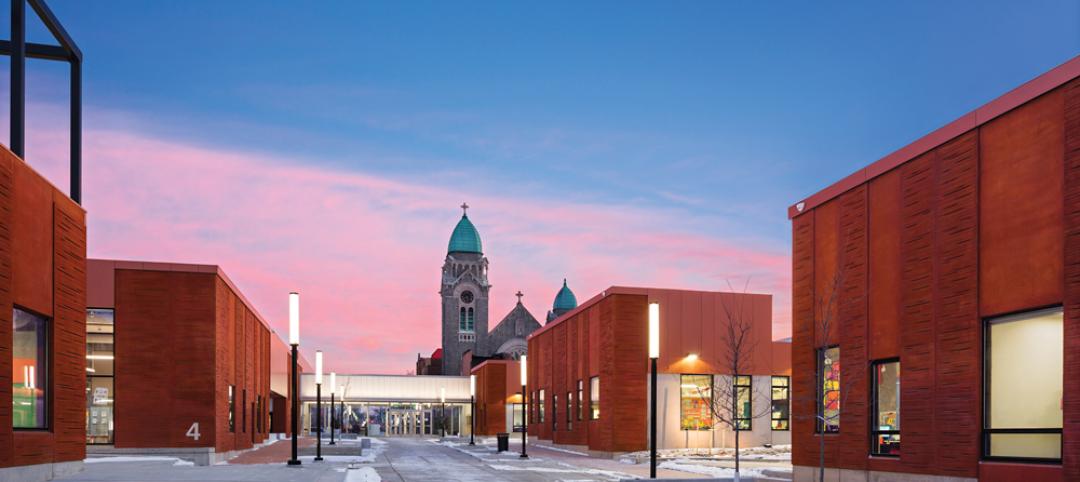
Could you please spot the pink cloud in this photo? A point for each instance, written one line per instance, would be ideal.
(365, 251)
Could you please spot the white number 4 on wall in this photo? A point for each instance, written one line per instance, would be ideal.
(193, 431)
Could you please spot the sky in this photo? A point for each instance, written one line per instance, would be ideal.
(326, 147)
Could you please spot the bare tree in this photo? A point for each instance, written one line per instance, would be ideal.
(727, 400)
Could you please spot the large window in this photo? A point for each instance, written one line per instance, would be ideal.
(1024, 369)
(580, 399)
(519, 417)
(828, 380)
(744, 402)
(695, 399)
(100, 355)
(781, 403)
(885, 429)
(540, 407)
(29, 370)
(594, 398)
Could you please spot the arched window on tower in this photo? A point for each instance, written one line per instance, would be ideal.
(461, 320)
(469, 321)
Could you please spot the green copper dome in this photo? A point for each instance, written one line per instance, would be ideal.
(565, 300)
(465, 238)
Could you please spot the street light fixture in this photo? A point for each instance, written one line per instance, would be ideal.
(318, 405)
(333, 406)
(294, 342)
(442, 411)
(472, 409)
(524, 411)
(654, 354)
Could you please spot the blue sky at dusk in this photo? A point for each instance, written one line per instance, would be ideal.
(569, 126)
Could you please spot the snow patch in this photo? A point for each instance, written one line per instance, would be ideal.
(136, 458)
(362, 474)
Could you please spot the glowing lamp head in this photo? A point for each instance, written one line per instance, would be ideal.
(654, 330)
(524, 371)
(318, 367)
(691, 357)
(294, 318)
(333, 383)
(442, 394)
(472, 385)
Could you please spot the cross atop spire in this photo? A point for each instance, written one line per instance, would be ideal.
(464, 209)
(519, 294)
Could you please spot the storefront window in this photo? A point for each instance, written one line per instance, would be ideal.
(555, 412)
(829, 383)
(594, 397)
(885, 430)
(781, 403)
(519, 417)
(100, 354)
(1024, 379)
(744, 402)
(29, 377)
(695, 399)
(569, 412)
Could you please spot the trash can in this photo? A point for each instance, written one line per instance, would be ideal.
(504, 441)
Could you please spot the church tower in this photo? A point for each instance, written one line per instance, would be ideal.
(464, 290)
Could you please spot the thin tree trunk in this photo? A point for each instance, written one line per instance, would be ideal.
(735, 413)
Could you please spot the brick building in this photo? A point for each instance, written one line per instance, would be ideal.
(956, 264)
(43, 291)
(588, 372)
(179, 362)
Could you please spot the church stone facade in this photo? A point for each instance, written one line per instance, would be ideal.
(464, 290)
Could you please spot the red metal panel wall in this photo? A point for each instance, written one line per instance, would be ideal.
(165, 331)
(43, 268)
(1071, 460)
(852, 315)
(1020, 250)
(804, 448)
(884, 286)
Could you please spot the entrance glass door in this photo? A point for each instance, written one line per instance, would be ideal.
(409, 422)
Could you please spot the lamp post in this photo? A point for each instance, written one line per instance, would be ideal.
(318, 406)
(333, 407)
(472, 409)
(524, 411)
(654, 354)
(442, 411)
(294, 342)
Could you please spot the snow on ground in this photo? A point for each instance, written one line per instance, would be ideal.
(684, 465)
(138, 458)
(557, 449)
(362, 474)
(779, 453)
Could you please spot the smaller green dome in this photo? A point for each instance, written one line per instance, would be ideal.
(465, 238)
(565, 299)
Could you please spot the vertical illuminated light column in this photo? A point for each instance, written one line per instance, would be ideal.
(442, 411)
(294, 342)
(333, 390)
(472, 409)
(524, 410)
(318, 406)
(654, 354)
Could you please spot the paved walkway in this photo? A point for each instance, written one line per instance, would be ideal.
(277, 452)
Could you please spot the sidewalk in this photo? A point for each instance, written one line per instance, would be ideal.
(277, 452)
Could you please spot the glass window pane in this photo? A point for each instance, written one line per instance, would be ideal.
(29, 370)
(1028, 445)
(829, 378)
(781, 404)
(886, 412)
(541, 407)
(1026, 357)
(594, 397)
(695, 407)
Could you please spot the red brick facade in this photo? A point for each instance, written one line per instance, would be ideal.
(43, 269)
(975, 223)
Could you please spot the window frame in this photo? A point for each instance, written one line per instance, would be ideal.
(91, 376)
(712, 392)
(580, 403)
(555, 412)
(594, 398)
(570, 410)
(819, 381)
(540, 402)
(987, 431)
(874, 407)
(231, 394)
(45, 363)
(787, 400)
(749, 398)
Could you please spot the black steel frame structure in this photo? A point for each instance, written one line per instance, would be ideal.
(19, 50)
